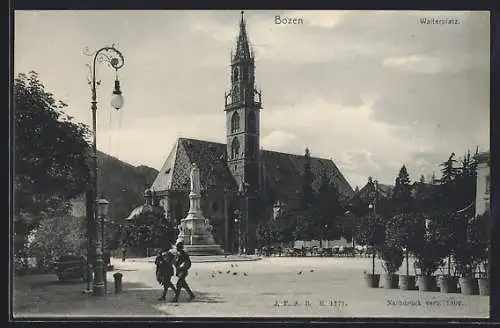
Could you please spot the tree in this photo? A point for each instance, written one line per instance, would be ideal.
(432, 230)
(402, 232)
(329, 210)
(50, 155)
(58, 236)
(447, 182)
(465, 187)
(371, 232)
(402, 193)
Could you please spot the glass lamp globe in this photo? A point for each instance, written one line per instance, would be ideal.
(117, 101)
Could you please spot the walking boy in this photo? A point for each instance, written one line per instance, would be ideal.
(182, 265)
(164, 271)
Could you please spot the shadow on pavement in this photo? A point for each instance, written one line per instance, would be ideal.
(43, 295)
(151, 295)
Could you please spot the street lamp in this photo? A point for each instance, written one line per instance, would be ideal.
(243, 193)
(115, 60)
(102, 212)
(237, 220)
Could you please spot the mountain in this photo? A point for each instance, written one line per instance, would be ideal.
(122, 184)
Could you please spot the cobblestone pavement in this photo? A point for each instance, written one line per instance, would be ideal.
(271, 287)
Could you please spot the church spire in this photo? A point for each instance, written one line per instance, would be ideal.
(243, 50)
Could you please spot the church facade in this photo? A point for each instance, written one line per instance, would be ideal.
(241, 183)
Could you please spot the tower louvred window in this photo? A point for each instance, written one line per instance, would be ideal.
(235, 122)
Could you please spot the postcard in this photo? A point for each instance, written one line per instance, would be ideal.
(251, 163)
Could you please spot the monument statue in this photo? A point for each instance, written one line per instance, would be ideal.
(195, 230)
(195, 179)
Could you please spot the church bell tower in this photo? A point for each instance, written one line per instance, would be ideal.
(242, 108)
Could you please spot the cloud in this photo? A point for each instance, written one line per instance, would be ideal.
(371, 89)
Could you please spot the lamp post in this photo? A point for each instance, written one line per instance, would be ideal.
(115, 59)
(243, 193)
(103, 210)
(237, 220)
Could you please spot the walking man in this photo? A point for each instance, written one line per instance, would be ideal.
(182, 265)
(124, 252)
(164, 271)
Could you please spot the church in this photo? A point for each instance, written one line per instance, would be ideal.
(241, 183)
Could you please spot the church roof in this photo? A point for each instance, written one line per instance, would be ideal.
(283, 174)
(210, 158)
(281, 171)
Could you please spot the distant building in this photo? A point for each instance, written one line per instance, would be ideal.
(483, 183)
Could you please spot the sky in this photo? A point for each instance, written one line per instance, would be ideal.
(372, 90)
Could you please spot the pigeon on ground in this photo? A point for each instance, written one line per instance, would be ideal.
(299, 273)
(220, 272)
(235, 273)
(232, 266)
(245, 274)
(213, 276)
(236, 265)
(312, 270)
(228, 271)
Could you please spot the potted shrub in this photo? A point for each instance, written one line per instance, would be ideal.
(480, 231)
(393, 259)
(430, 251)
(463, 255)
(371, 233)
(471, 252)
(400, 231)
(450, 238)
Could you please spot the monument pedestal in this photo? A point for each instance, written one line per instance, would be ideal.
(195, 229)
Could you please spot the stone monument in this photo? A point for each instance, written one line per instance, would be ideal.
(195, 230)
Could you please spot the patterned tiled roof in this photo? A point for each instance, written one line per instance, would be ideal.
(282, 172)
(209, 156)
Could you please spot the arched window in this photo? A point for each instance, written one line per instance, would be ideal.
(252, 122)
(235, 148)
(235, 74)
(235, 122)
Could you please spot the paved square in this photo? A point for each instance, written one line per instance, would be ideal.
(271, 287)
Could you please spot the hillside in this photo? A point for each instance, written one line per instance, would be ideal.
(122, 184)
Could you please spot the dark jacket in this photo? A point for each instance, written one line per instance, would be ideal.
(164, 267)
(182, 263)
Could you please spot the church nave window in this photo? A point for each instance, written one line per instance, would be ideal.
(235, 122)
